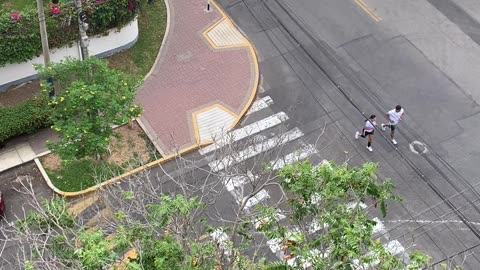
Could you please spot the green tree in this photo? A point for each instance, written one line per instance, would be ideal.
(180, 232)
(92, 99)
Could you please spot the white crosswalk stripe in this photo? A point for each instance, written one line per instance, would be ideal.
(300, 154)
(260, 104)
(259, 197)
(246, 131)
(251, 151)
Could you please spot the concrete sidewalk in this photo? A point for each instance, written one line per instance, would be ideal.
(204, 79)
(25, 148)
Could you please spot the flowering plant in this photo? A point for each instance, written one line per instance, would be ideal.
(55, 10)
(15, 17)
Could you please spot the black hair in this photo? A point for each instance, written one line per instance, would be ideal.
(371, 117)
(398, 107)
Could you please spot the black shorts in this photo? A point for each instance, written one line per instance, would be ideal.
(392, 127)
(366, 133)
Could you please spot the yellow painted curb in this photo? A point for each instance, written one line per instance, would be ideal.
(115, 179)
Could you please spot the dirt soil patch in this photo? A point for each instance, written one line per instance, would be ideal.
(19, 93)
(130, 148)
(131, 145)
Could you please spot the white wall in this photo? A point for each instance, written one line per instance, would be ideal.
(116, 41)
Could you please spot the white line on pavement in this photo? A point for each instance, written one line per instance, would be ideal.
(379, 227)
(260, 104)
(246, 131)
(260, 196)
(303, 153)
(251, 151)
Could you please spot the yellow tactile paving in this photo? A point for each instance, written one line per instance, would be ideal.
(224, 35)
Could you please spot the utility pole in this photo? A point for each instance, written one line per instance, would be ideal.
(82, 27)
(43, 33)
(44, 39)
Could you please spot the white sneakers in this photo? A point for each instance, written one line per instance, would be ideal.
(383, 127)
(394, 142)
(357, 134)
(370, 148)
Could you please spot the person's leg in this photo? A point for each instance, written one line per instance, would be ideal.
(369, 144)
(392, 131)
(363, 133)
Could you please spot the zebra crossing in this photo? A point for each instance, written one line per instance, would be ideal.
(292, 138)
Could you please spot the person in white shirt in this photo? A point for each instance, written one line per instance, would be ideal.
(394, 116)
(368, 131)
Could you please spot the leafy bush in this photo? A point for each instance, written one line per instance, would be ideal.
(21, 38)
(24, 118)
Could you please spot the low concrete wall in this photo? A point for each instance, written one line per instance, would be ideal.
(100, 46)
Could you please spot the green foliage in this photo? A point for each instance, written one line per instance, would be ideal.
(24, 118)
(94, 99)
(55, 214)
(169, 207)
(94, 251)
(21, 39)
(80, 174)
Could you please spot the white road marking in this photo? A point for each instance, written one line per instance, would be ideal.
(222, 239)
(395, 247)
(260, 196)
(430, 221)
(234, 184)
(246, 131)
(354, 204)
(251, 151)
(420, 144)
(379, 227)
(260, 104)
(303, 153)
(274, 245)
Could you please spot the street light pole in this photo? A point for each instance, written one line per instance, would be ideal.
(43, 33)
(82, 27)
(44, 39)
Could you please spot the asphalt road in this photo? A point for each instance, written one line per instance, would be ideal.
(335, 62)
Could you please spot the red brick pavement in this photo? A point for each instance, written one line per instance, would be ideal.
(191, 75)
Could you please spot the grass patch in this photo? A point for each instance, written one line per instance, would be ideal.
(15, 5)
(81, 174)
(139, 59)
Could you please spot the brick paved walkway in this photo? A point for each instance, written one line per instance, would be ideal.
(191, 75)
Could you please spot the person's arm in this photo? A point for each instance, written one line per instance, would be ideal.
(388, 117)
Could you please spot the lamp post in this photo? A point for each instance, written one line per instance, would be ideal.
(82, 27)
(44, 39)
(43, 33)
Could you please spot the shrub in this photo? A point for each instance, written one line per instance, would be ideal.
(21, 38)
(24, 118)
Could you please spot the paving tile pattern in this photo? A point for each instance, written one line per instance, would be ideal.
(191, 75)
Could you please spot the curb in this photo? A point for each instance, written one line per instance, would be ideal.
(115, 179)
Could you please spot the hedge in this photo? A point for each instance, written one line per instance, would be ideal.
(24, 118)
(21, 41)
